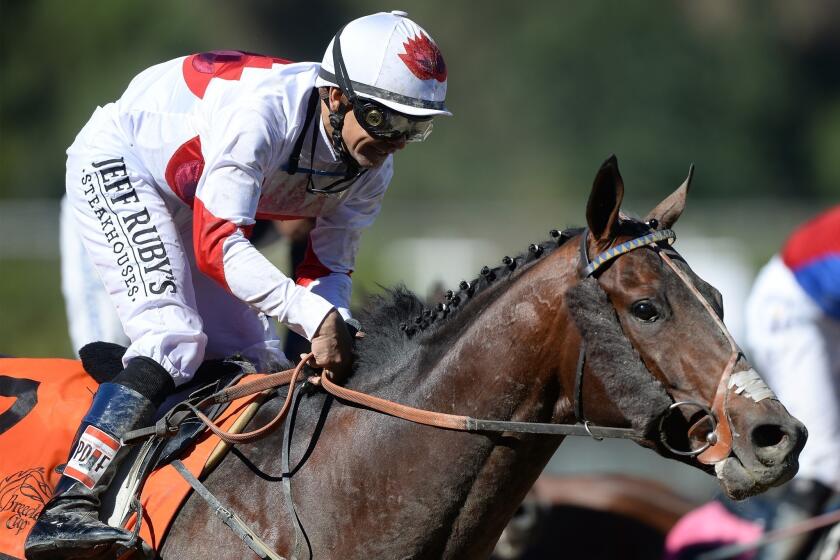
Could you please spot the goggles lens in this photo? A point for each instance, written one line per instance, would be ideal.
(385, 124)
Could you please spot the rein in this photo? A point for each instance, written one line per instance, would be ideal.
(397, 410)
(716, 448)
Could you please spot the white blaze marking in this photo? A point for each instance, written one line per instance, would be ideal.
(751, 385)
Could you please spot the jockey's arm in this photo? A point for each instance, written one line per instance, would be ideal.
(329, 260)
(334, 242)
(224, 212)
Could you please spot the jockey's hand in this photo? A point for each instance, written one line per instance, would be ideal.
(331, 346)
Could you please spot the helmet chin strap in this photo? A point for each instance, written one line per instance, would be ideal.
(337, 139)
(337, 117)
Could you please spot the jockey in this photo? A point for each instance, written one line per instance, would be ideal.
(165, 185)
(793, 335)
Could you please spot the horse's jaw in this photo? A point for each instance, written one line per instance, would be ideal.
(766, 442)
(740, 482)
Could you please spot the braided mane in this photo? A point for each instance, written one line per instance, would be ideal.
(397, 321)
(404, 336)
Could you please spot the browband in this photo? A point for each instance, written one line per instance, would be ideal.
(613, 252)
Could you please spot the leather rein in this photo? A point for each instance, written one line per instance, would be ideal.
(717, 446)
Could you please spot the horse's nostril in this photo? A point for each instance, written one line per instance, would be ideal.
(768, 435)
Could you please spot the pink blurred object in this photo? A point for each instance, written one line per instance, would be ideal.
(710, 524)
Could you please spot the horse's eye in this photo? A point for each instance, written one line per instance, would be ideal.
(645, 310)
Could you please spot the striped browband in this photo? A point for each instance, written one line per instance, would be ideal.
(613, 252)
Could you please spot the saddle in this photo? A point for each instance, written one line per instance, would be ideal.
(103, 361)
(176, 431)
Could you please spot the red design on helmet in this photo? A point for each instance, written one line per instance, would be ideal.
(423, 58)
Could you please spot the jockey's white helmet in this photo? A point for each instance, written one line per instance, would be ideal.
(390, 59)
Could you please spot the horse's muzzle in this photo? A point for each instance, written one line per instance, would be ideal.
(775, 444)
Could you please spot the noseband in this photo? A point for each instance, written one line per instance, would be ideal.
(718, 442)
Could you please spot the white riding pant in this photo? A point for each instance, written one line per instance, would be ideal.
(796, 348)
(140, 242)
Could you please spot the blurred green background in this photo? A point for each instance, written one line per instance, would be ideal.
(542, 93)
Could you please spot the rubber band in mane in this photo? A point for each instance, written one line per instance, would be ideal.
(397, 322)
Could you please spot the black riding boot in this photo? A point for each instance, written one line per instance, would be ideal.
(69, 526)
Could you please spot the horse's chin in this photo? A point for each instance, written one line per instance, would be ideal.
(740, 482)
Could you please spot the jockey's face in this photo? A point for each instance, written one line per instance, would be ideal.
(365, 149)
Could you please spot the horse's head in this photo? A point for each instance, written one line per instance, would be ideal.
(729, 420)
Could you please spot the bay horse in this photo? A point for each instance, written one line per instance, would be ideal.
(624, 344)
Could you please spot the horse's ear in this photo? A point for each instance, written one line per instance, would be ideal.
(669, 210)
(605, 200)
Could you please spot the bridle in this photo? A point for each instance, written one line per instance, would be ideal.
(717, 446)
(718, 442)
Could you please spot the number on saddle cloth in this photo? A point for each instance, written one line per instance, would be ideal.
(25, 393)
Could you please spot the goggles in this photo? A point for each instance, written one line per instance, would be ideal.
(384, 123)
(378, 120)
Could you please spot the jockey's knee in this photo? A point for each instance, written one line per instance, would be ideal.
(178, 353)
(147, 377)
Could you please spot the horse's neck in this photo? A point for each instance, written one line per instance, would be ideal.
(517, 357)
(432, 493)
(507, 365)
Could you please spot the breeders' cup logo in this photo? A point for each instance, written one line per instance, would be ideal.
(22, 497)
(424, 59)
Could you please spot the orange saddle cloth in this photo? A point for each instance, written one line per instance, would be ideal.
(42, 402)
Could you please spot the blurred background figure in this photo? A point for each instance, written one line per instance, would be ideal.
(793, 339)
(91, 316)
(793, 336)
(634, 511)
